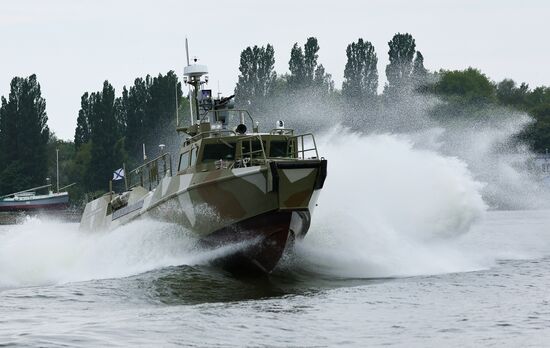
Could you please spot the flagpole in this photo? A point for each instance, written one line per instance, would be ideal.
(57, 166)
(125, 179)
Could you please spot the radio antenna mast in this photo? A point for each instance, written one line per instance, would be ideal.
(188, 86)
(177, 104)
(187, 50)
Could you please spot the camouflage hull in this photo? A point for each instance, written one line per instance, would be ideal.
(259, 206)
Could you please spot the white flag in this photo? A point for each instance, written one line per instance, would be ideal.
(118, 174)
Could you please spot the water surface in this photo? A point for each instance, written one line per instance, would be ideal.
(497, 295)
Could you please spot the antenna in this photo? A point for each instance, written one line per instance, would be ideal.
(188, 86)
(177, 106)
(192, 75)
(57, 167)
(187, 50)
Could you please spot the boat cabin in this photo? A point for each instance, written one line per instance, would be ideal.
(239, 151)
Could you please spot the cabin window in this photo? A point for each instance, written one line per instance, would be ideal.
(194, 155)
(216, 152)
(278, 148)
(184, 161)
(256, 148)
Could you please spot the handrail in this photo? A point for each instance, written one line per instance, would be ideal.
(242, 155)
(228, 110)
(152, 170)
(282, 131)
(303, 151)
(201, 134)
(27, 190)
(67, 186)
(300, 151)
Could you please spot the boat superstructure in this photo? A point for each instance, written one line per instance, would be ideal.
(230, 185)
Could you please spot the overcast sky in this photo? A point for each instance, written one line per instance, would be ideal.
(73, 45)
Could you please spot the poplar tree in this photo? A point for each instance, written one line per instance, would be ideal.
(24, 135)
(136, 113)
(104, 136)
(82, 131)
(296, 65)
(361, 73)
(311, 48)
(305, 72)
(399, 70)
(163, 92)
(257, 77)
(419, 72)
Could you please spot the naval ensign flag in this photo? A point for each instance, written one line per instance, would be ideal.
(118, 174)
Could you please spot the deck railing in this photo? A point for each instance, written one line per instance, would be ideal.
(151, 173)
(251, 155)
(252, 150)
(306, 145)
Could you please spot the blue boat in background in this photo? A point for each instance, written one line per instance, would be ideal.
(28, 200)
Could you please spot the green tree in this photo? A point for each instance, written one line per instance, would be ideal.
(360, 84)
(538, 133)
(311, 48)
(509, 94)
(540, 95)
(322, 81)
(297, 67)
(66, 155)
(136, 101)
(82, 131)
(257, 77)
(305, 72)
(419, 72)
(24, 135)
(104, 135)
(79, 171)
(164, 93)
(468, 86)
(398, 71)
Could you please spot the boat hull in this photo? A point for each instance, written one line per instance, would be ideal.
(58, 202)
(260, 242)
(257, 206)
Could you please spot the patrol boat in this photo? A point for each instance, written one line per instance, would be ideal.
(231, 185)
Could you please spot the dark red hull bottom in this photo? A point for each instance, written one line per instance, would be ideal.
(264, 236)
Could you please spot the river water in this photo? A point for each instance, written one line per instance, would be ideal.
(497, 295)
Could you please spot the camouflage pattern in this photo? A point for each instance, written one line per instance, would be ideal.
(207, 197)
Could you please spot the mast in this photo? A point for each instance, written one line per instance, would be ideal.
(192, 77)
(189, 87)
(177, 106)
(57, 167)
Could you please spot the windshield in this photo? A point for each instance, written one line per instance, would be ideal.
(216, 152)
(278, 148)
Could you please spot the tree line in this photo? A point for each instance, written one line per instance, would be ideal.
(111, 129)
(258, 82)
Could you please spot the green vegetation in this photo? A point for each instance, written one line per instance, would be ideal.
(257, 78)
(399, 71)
(24, 136)
(111, 130)
(360, 74)
(469, 86)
